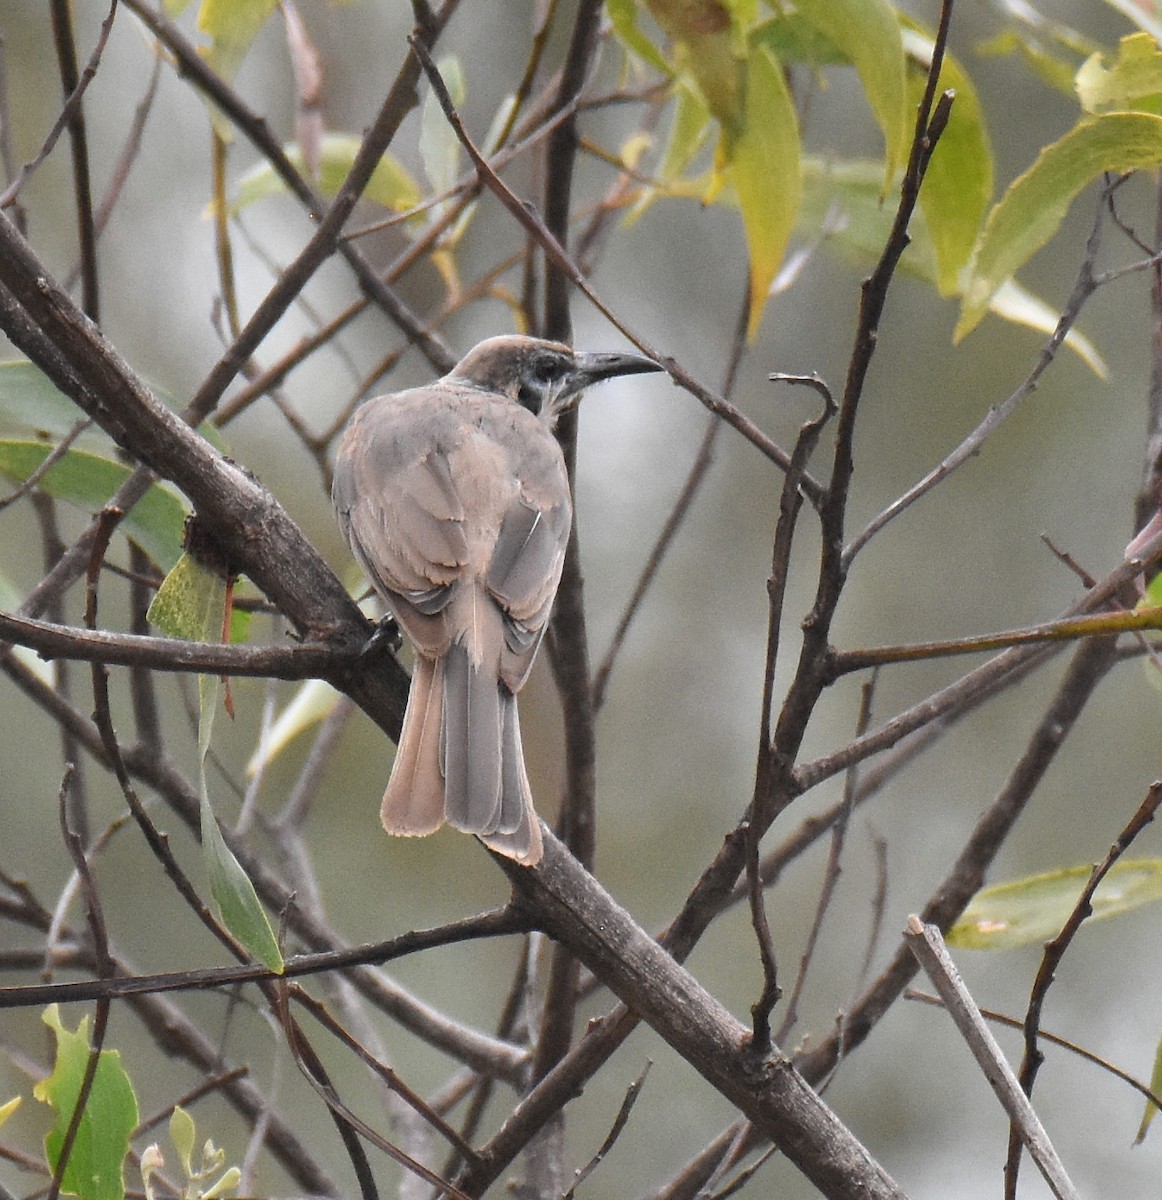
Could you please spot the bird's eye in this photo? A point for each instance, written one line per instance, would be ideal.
(547, 369)
(540, 374)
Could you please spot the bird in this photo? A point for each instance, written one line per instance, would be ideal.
(454, 498)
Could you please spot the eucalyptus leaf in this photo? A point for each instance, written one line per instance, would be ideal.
(88, 480)
(867, 32)
(391, 184)
(1034, 910)
(763, 165)
(1032, 209)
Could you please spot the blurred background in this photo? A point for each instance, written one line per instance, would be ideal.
(678, 732)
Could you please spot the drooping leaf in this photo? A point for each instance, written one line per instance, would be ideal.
(87, 480)
(1032, 910)
(391, 184)
(958, 184)
(763, 165)
(234, 896)
(1032, 209)
(95, 1166)
(867, 32)
(1132, 81)
(190, 602)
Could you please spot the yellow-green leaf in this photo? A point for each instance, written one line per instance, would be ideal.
(1132, 81)
(1156, 1088)
(1035, 909)
(8, 1108)
(237, 902)
(710, 47)
(763, 165)
(1032, 209)
(190, 602)
(391, 185)
(868, 33)
(32, 404)
(790, 37)
(95, 1166)
(232, 25)
(623, 17)
(87, 480)
(183, 1133)
(958, 185)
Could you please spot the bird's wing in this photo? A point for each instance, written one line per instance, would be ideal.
(529, 553)
(402, 514)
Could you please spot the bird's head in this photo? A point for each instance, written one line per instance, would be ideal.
(547, 378)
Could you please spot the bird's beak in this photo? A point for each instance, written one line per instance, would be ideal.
(593, 368)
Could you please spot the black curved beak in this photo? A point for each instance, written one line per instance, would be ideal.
(593, 368)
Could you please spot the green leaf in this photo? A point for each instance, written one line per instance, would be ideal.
(232, 26)
(234, 895)
(190, 602)
(31, 403)
(95, 1166)
(791, 37)
(183, 1132)
(88, 480)
(710, 46)
(1035, 909)
(1156, 1087)
(189, 605)
(1032, 209)
(763, 165)
(958, 185)
(623, 17)
(868, 33)
(391, 185)
(1133, 81)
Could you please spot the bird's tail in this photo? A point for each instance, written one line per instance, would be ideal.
(413, 804)
(486, 786)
